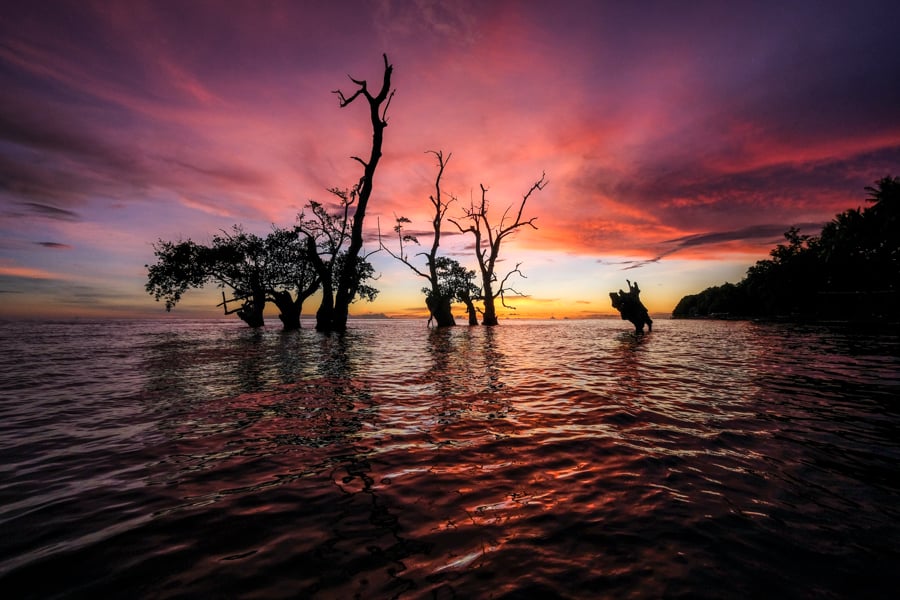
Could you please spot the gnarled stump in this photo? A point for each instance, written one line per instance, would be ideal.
(631, 308)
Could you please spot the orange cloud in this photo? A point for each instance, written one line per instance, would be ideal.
(9, 269)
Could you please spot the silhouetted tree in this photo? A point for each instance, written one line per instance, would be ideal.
(289, 264)
(438, 297)
(860, 249)
(631, 308)
(457, 282)
(786, 283)
(325, 234)
(487, 246)
(727, 299)
(347, 283)
(255, 269)
(850, 271)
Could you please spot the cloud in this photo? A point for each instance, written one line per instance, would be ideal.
(50, 212)
(753, 232)
(52, 154)
(54, 245)
(10, 269)
(38, 127)
(768, 234)
(661, 135)
(223, 173)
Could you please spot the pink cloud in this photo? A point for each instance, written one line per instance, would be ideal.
(10, 269)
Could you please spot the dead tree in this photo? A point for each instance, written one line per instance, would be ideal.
(347, 278)
(631, 308)
(438, 299)
(487, 246)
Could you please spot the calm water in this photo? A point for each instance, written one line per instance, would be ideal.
(152, 459)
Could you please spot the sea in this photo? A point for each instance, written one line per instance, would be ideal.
(536, 459)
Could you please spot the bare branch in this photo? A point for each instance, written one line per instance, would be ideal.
(469, 229)
(345, 101)
(387, 105)
(401, 257)
(515, 270)
(487, 252)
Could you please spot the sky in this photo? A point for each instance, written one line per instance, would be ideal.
(679, 140)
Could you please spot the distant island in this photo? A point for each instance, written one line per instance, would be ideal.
(849, 272)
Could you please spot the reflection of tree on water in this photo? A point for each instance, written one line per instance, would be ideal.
(493, 359)
(366, 546)
(250, 366)
(362, 544)
(627, 365)
(464, 374)
(223, 412)
(295, 453)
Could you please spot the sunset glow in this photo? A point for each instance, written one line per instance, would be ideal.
(679, 142)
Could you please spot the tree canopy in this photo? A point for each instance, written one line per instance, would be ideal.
(256, 270)
(850, 270)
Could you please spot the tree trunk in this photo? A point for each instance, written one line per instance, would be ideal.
(440, 309)
(290, 310)
(631, 308)
(470, 309)
(346, 288)
(252, 311)
(325, 314)
(490, 313)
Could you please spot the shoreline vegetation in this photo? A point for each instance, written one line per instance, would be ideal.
(848, 273)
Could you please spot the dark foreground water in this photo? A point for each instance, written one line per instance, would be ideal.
(153, 459)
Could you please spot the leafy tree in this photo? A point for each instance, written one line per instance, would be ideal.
(289, 266)
(458, 283)
(488, 239)
(325, 234)
(850, 270)
(787, 282)
(256, 270)
(727, 298)
(860, 248)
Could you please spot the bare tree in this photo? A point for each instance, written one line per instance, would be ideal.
(438, 298)
(488, 239)
(347, 276)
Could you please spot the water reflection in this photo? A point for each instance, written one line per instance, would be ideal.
(626, 366)
(465, 373)
(210, 423)
(493, 361)
(294, 453)
(557, 459)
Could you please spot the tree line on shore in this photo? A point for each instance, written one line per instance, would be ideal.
(323, 251)
(849, 271)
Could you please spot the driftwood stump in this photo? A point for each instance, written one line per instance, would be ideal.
(631, 308)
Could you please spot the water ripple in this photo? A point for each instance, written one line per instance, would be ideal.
(546, 459)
